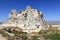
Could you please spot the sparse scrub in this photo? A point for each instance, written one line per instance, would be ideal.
(34, 38)
(53, 36)
(3, 33)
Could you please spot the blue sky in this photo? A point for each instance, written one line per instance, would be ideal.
(50, 8)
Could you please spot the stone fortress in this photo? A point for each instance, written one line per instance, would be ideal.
(29, 20)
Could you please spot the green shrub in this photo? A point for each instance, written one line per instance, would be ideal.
(53, 36)
(3, 33)
(34, 38)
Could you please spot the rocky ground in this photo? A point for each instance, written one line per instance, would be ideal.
(8, 34)
(2, 38)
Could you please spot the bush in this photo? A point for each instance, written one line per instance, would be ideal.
(53, 36)
(3, 33)
(34, 38)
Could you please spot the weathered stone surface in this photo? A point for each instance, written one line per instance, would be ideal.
(30, 20)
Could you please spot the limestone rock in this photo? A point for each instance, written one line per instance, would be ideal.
(29, 20)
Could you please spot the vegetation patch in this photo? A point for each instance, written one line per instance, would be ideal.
(34, 38)
(53, 36)
(3, 33)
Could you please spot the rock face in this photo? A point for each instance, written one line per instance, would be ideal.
(29, 20)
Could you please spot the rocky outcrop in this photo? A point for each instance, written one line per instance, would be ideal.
(29, 20)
